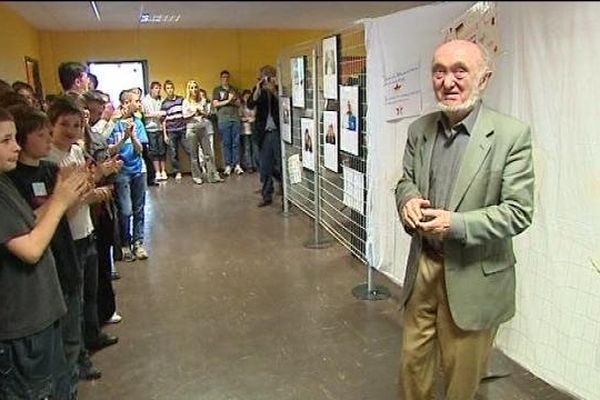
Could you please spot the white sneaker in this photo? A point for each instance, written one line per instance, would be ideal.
(114, 319)
(238, 170)
(178, 176)
(197, 181)
(163, 176)
(227, 171)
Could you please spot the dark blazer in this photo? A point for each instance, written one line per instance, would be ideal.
(262, 111)
(493, 195)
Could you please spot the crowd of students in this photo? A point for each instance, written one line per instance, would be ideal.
(74, 172)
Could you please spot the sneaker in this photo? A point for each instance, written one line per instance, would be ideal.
(178, 176)
(114, 319)
(227, 171)
(238, 170)
(139, 251)
(164, 175)
(197, 181)
(127, 255)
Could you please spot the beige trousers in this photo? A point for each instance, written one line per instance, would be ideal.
(427, 320)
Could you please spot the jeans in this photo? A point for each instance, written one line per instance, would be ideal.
(270, 163)
(34, 366)
(230, 137)
(251, 152)
(198, 135)
(131, 196)
(175, 138)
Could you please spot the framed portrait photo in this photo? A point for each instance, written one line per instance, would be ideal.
(330, 68)
(298, 81)
(349, 120)
(32, 71)
(331, 140)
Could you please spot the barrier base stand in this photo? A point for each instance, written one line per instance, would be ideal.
(317, 245)
(377, 292)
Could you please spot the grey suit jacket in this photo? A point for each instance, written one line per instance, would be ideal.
(494, 196)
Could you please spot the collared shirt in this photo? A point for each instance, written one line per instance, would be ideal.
(446, 159)
(448, 151)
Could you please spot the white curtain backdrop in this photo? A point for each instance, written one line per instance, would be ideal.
(544, 76)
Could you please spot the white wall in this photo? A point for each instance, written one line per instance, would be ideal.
(545, 76)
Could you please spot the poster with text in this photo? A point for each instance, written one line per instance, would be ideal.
(330, 149)
(295, 169)
(330, 68)
(297, 81)
(349, 120)
(403, 93)
(286, 120)
(307, 131)
(354, 189)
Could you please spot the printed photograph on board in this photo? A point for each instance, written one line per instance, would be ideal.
(297, 65)
(330, 70)
(307, 131)
(330, 149)
(349, 120)
(286, 120)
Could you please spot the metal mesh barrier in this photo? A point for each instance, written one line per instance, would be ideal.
(302, 194)
(346, 224)
(321, 192)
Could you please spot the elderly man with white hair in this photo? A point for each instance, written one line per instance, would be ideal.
(466, 190)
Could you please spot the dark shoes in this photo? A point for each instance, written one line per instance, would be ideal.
(115, 276)
(87, 371)
(265, 202)
(103, 340)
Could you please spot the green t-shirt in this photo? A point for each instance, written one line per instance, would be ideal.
(229, 112)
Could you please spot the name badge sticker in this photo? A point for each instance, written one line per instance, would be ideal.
(39, 189)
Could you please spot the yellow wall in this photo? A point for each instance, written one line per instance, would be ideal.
(17, 40)
(178, 55)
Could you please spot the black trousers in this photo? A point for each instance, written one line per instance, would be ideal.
(270, 163)
(150, 171)
(104, 224)
(88, 258)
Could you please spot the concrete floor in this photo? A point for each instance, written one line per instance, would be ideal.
(231, 306)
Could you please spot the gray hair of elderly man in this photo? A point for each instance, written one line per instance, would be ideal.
(486, 56)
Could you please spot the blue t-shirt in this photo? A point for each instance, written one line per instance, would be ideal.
(132, 161)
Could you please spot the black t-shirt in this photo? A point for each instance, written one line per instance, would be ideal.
(30, 295)
(36, 184)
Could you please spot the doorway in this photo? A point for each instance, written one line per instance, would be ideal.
(116, 76)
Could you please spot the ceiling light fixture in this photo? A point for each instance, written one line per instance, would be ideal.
(95, 9)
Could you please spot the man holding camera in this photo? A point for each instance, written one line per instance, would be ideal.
(266, 101)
